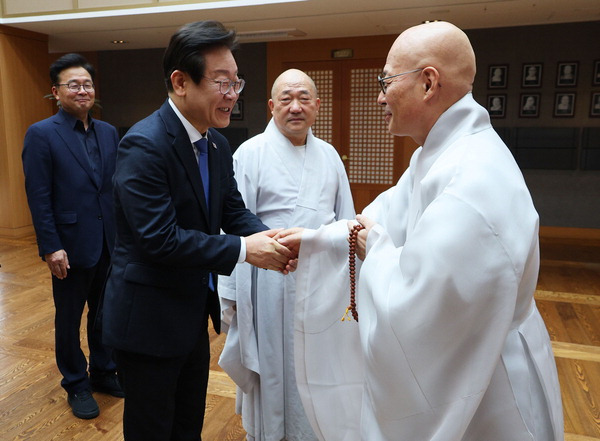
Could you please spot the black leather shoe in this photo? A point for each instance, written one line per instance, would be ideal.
(83, 404)
(107, 384)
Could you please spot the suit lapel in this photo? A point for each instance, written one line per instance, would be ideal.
(67, 134)
(215, 179)
(185, 151)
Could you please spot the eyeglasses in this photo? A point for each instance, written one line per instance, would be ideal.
(384, 85)
(74, 87)
(226, 85)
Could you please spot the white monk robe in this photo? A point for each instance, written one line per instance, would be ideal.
(285, 186)
(452, 346)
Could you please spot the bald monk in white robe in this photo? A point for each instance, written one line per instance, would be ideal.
(288, 177)
(449, 345)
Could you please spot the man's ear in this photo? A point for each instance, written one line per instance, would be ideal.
(178, 80)
(431, 81)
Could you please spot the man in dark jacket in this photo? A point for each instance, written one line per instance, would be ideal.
(174, 192)
(69, 161)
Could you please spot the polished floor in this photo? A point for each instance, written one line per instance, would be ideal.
(33, 406)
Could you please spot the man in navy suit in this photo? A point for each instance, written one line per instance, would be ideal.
(69, 161)
(170, 206)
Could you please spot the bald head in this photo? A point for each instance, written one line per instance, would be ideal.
(442, 46)
(437, 67)
(293, 77)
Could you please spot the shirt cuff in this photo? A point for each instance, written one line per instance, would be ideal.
(242, 256)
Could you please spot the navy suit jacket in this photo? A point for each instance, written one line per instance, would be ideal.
(157, 297)
(70, 210)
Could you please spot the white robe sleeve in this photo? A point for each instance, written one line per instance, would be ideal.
(239, 358)
(329, 367)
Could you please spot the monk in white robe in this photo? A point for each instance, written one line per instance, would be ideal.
(288, 177)
(450, 345)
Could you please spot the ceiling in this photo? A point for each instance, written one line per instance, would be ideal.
(268, 20)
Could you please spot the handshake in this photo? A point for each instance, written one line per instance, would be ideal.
(274, 249)
(278, 249)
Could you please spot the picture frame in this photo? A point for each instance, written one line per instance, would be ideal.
(564, 104)
(237, 113)
(496, 105)
(566, 74)
(498, 75)
(595, 104)
(530, 105)
(532, 75)
(596, 78)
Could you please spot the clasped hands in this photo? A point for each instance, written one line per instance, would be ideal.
(264, 250)
(278, 249)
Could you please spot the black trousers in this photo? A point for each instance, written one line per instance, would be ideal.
(164, 397)
(81, 286)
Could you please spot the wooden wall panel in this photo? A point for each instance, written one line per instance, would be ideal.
(320, 50)
(23, 83)
(585, 234)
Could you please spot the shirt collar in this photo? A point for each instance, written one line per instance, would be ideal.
(192, 132)
(73, 121)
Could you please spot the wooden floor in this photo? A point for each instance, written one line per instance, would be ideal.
(33, 405)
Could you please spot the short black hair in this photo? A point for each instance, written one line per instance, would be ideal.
(68, 61)
(189, 44)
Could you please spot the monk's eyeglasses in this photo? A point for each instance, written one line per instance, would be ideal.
(384, 83)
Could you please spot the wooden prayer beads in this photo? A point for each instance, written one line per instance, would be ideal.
(352, 260)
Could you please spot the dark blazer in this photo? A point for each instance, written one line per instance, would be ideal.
(157, 296)
(70, 210)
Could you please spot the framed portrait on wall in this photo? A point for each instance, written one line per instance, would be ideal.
(596, 78)
(496, 105)
(530, 105)
(564, 104)
(532, 75)
(566, 74)
(498, 76)
(595, 104)
(237, 113)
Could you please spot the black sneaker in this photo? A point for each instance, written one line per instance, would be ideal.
(83, 404)
(107, 384)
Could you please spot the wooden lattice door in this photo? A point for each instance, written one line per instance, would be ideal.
(352, 121)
